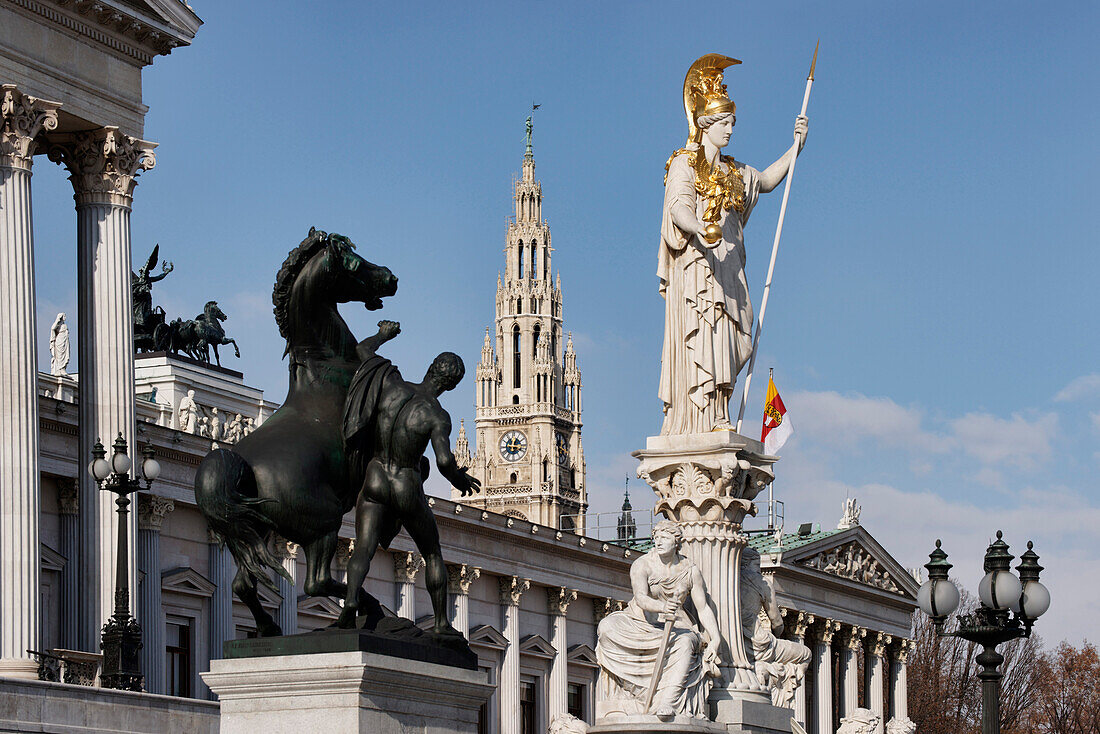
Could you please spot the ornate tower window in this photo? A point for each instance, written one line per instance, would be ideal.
(517, 356)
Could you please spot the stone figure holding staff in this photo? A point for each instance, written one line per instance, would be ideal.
(701, 261)
(643, 657)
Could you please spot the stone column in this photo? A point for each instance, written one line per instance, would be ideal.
(558, 600)
(511, 589)
(287, 616)
(874, 667)
(853, 640)
(221, 602)
(344, 548)
(898, 683)
(151, 512)
(22, 119)
(823, 676)
(706, 484)
(68, 505)
(801, 623)
(406, 564)
(459, 579)
(103, 165)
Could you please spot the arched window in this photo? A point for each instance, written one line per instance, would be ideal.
(535, 341)
(521, 248)
(516, 356)
(545, 470)
(573, 478)
(515, 400)
(512, 478)
(534, 260)
(545, 263)
(554, 345)
(519, 306)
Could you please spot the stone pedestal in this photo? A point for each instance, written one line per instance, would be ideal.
(352, 691)
(706, 483)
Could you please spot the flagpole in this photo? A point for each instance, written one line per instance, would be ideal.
(775, 251)
(771, 484)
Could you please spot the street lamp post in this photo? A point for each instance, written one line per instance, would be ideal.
(121, 637)
(1008, 609)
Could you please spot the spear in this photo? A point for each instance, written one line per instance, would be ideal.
(775, 251)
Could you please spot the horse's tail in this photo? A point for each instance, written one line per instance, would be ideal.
(225, 490)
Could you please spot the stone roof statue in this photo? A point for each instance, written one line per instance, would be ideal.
(59, 346)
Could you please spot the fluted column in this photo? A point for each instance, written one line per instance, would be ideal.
(823, 676)
(558, 600)
(287, 617)
(853, 641)
(151, 513)
(459, 579)
(344, 548)
(406, 565)
(22, 119)
(103, 165)
(68, 506)
(511, 589)
(876, 652)
(221, 602)
(898, 691)
(802, 622)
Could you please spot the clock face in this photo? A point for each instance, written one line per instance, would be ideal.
(563, 450)
(513, 445)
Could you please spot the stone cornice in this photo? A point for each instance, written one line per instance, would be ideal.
(114, 25)
(103, 164)
(22, 119)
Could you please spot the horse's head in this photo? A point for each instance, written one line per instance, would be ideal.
(318, 274)
(354, 279)
(213, 312)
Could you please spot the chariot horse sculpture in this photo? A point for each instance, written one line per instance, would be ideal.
(290, 476)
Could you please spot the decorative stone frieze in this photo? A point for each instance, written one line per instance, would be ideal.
(406, 565)
(853, 562)
(512, 588)
(152, 509)
(558, 600)
(22, 119)
(460, 577)
(103, 164)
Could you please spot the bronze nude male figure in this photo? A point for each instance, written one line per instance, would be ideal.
(388, 424)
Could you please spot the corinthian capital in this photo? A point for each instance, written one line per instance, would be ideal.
(22, 119)
(103, 164)
(559, 599)
(152, 509)
(406, 565)
(460, 577)
(512, 588)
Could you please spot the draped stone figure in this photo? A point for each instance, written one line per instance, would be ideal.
(701, 259)
(188, 413)
(667, 588)
(59, 347)
(780, 664)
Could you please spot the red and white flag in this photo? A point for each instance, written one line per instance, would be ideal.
(777, 426)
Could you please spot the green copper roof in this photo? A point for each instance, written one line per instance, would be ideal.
(790, 541)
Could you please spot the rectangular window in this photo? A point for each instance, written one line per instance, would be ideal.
(575, 700)
(177, 650)
(528, 707)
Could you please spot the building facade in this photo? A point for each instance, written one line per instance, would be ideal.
(528, 453)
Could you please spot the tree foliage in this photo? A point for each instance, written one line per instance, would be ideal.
(1068, 700)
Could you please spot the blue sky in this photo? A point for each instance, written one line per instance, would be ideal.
(933, 318)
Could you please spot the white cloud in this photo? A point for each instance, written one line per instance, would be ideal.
(837, 419)
(1086, 386)
(1016, 442)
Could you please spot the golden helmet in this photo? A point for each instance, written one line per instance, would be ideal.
(705, 92)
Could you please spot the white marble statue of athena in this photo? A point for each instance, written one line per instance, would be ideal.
(701, 261)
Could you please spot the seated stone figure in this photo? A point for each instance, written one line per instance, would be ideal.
(629, 647)
(780, 664)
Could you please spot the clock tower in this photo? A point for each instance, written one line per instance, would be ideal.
(527, 450)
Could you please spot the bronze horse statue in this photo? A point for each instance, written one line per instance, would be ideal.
(290, 476)
(194, 337)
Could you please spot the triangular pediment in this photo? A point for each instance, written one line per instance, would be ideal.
(187, 581)
(320, 606)
(487, 636)
(269, 600)
(537, 646)
(583, 655)
(49, 559)
(853, 555)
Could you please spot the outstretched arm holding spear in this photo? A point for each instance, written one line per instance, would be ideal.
(766, 177)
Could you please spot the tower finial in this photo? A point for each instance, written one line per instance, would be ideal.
(530, 129)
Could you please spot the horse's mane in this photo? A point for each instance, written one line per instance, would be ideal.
(292, 267)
